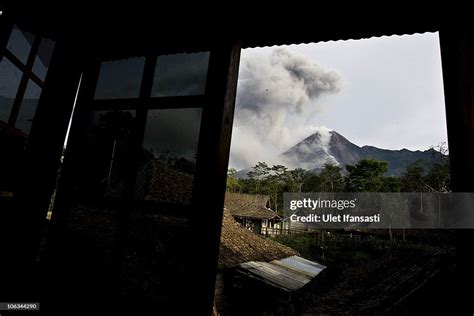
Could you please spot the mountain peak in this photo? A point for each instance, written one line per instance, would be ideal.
(322, 131)
(313, 151)
(326, 146)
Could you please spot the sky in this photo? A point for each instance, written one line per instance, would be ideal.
(385, 92)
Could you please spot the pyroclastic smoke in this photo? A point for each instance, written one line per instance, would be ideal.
(274, 93)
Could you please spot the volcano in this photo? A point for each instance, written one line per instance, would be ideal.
(329, 147)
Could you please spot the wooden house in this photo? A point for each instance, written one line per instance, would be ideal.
(253, 212)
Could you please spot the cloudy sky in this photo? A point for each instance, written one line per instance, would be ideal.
(385, 92)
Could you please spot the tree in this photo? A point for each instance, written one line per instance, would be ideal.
(233, 184)
(439, 176)
(416, 177)
(299, 175)
(278, 170)
(366, 176)
(390, 184)
(278, 181)
(312, 184)
(272, 181)
(331, 179)
(412, 179)
(258, 173)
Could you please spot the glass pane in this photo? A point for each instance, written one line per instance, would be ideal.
(12, 140)
(169, 147)
(20, 44)
(105, 156)
(10, 77)
(120, 79)
(155, 254)
(180, 75)
(28, 107)
(43, 58)
(93, 226)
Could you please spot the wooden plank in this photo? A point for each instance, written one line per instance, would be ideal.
(211, 172)
(457, 56)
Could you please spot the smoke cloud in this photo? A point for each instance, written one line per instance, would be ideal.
(276, 96)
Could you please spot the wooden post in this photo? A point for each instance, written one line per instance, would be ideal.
(211, 165)
(457, 52)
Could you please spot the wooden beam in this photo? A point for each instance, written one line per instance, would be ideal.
(211, 174)
(458, 73)
(457, 54)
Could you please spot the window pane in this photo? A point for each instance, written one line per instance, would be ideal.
(180, 75)
(20, 43)
(120, 79)
(170, 147)
(28, 107)
(156, 251)
(12, 140)
(97, 208)
(10, 77)
(45, 51)
(105, 154)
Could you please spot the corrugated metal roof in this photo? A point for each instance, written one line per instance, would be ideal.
(289, 274)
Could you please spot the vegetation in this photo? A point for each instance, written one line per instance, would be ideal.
(388, 261)
(368, 175)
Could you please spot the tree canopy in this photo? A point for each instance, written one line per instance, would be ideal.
(368, 175)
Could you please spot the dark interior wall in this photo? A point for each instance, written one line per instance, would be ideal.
(457, 53)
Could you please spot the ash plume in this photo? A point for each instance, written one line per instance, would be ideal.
(276, 95)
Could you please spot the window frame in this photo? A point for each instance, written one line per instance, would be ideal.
(25, 68)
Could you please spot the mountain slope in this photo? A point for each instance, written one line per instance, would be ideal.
(326, 146)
